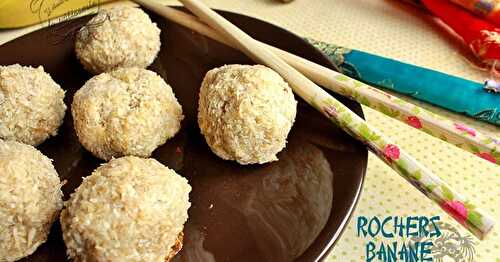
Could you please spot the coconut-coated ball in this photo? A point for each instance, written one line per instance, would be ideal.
(245, 112)
(30, 199)
(31, 104)
(121, 36)
(129, 209)
(129, 111)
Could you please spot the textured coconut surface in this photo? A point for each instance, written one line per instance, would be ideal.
(31, 104)
(246, 112)
(128, 111)
(121, 36)
(129, 209)
(226, 196)
(30, 199)
(391, 29)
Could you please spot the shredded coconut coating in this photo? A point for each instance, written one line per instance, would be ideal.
(31, 104)
(245, 112)
(130, 209)
(129, 111)
(30, 199)
(122, 36)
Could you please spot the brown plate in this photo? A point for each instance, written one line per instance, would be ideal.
(292, 209)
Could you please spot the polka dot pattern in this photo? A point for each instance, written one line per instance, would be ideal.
(393, 29)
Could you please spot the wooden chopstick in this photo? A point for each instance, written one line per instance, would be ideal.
(414, 172)
(417, 117)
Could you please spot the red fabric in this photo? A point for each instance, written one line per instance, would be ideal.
(489, 9)
(480, 35)
(494, 18)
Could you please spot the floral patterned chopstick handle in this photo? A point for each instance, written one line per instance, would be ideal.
(458, 134)
(463, 211)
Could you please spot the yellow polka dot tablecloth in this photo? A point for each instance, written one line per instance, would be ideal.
(400, 31)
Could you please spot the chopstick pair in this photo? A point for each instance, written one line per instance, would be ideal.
(418, 175)
(458, 134)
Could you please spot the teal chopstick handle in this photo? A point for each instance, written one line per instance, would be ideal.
(450, 92)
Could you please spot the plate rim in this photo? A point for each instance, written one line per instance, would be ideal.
(327, 249)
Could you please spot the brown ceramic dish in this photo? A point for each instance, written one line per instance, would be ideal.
(293, 209)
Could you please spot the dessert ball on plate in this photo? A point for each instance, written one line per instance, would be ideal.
(245, 112)
(31, 104)
(121, 36)
(129, 111)
(30, 199)
(130, 209)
